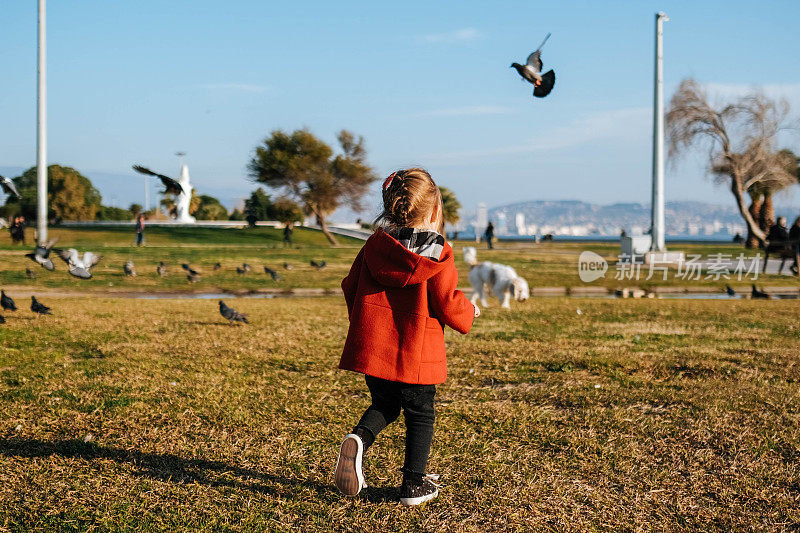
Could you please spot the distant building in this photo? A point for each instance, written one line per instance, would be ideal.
(520, 223)
(482, 219)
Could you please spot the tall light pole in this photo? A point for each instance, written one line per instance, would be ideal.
(41, 129)
(657, 204)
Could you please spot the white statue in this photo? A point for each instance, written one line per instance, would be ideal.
(183, 199)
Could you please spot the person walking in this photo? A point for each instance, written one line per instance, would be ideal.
(400, 293)
(287, 234)
(140, 229)
(777, 240)
(489, 234)
(794, 240)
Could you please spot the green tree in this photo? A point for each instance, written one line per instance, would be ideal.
(259, 205)
(450, 206)
(305, 169)
(70, 195)
(286, 210)
(135, 209)
(113, 213)
(209, 208)
(236, 215)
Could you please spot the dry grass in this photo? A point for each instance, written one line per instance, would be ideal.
(666, 415)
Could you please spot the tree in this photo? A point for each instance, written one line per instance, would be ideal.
(70, 195)
(740, 137)
(259, 205)
(114, 213)
(236, 215)
(450, 206)
(304, 168)
(135, 210)
(210, 208)
(287, 210)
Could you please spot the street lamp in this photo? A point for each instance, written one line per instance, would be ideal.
(657, 206)
(41, 130)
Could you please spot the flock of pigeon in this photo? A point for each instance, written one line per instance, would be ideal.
(80, 266)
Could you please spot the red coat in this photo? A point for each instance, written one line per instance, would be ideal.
(399, 303)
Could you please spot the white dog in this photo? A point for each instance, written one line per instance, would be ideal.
(501, 279)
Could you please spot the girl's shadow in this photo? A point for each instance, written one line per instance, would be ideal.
(168, 467)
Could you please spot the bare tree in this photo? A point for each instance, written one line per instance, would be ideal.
(740, 138)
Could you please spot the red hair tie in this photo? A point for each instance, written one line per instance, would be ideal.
(389, 180)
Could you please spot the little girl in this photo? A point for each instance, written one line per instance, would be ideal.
(400, 293)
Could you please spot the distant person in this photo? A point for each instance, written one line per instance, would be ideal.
(140, 229)
(738, 239)
(12, 229)
(794, 240)
(18, 230)
(287, 234)
(623, 234)
(489, 235)
(403, 279)
(777, 241)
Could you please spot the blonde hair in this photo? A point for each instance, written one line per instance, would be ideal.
(409, 198)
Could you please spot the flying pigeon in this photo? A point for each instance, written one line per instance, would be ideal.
(129, 269)
(80, 267)
(730, 290)
(161, 269)
(759, 294)
(6, 302)
(287, 266)
(41, 255)
(318, 265)
(272, 273)
(217, 266)
(531, 71)
(8, 187)
(39, 308)
(231, 314)
(171, 186)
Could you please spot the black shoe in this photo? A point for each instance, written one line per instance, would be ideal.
(417, 491)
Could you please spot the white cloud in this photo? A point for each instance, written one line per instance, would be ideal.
(456, 36)
(466, 111)
(245, 87)
(621, 125)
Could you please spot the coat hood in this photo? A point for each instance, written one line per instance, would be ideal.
(392, 264)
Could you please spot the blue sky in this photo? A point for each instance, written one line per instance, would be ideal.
(426, 83)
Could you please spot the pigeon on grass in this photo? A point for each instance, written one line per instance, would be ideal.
(274, 275)
(231, 314)
(39, 308)
(319, 265)
(161, 268)
(6, 302)
(129, 269)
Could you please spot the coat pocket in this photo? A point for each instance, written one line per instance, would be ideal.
(433, 350)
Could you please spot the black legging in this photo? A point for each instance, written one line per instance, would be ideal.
(416, 401)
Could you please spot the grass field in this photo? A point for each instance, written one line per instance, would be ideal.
(543, 265)
(154, 415)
